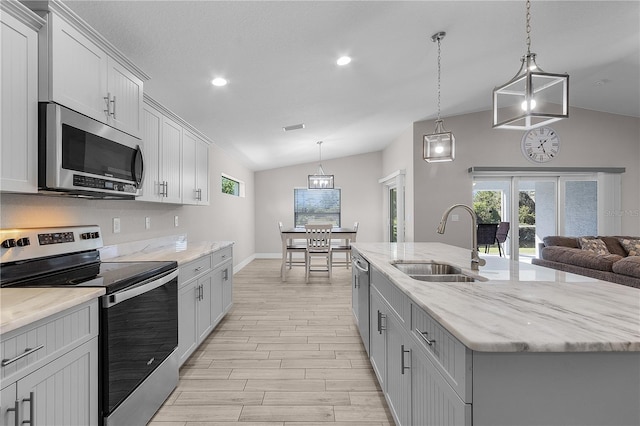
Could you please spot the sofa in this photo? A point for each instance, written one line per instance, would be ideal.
(609, 258)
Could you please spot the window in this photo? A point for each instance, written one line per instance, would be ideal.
(316, 206)
(232, 186)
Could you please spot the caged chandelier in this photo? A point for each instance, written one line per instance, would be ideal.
(532, 98)
(320, 180)
(440, 145)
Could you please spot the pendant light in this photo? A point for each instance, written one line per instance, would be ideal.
(440, 145)
(320, 180)
(532, 98)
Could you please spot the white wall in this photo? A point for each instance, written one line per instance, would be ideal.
(588, 139)
(226, 218)
(357, 176)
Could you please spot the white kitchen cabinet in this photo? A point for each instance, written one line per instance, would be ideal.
(195, 169)
(18, 98)
(204, 297)
(161, 150)
(57, 383)
(84, 72)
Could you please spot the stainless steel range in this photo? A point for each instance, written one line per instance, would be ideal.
(138, 316)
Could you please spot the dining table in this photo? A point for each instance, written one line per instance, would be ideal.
(347, 235)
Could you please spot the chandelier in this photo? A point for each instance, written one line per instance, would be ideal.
(320, 180)
(440, 145)
(532, 98)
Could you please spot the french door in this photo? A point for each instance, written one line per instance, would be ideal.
(538, 206)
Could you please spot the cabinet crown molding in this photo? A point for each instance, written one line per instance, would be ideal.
(22, 13)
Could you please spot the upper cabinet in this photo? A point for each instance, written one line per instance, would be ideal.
(18, 97)
(84, 72)
(176, 158)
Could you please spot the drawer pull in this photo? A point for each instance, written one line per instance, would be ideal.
(424, 335)
(26, 352)
(199, 268)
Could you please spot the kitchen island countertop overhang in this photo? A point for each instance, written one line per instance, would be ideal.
(514, 306)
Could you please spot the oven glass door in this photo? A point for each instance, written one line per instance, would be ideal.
(137, 335)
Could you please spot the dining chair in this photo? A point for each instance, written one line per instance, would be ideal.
(291, 248)
(318, 245)
(501, 235)
(487, 235)
(344, 246)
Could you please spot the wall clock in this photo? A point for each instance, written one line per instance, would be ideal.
(540, 144)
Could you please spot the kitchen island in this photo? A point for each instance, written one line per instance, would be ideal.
(520, 345)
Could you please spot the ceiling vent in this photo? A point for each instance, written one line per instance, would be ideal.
(293, 127)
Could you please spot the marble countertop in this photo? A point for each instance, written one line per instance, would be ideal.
(514, 306)
(22, 306)
(172, 248)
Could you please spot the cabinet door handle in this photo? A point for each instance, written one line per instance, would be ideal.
(380, 317)
(225, 274)
(26, 352)
(32, 409)
(107, 101)
(113, 101)
(16, 410)
(424, 335)
(355, 281)
(402, 366)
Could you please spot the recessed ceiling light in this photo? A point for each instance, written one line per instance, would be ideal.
(343, 60)
(219, 81)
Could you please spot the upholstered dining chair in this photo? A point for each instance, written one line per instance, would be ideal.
(318, 245)
(344, 246)
(487, 235)
(293, 247)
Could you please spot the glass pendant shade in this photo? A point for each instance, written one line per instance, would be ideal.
(439, 146)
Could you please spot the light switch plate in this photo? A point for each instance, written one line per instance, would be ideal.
(175, 221)
(455, 218)
(147, 223)
(116, 225)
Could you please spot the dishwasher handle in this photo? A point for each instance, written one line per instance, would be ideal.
(356, 264)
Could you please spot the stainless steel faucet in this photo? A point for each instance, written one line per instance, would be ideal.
(476, 261)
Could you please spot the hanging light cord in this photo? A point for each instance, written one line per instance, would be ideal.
(528, 27)
(439, 38)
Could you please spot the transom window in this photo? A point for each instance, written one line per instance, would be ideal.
(316, 206)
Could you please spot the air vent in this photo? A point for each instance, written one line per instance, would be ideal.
(293, 127)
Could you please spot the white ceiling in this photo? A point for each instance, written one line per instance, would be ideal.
(279, 58)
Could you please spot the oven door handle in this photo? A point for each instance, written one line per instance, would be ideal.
(126, 294)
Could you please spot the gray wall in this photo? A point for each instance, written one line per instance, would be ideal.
(357, 176)
(588, 139)
(226, 218)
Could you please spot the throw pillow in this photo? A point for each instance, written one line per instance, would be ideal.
(631, 245)
(595, 245)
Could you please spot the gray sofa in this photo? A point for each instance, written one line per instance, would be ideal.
(566, 254)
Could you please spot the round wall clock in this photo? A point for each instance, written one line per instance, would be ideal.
(540, 144)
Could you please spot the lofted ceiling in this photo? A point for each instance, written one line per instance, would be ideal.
(280, 60)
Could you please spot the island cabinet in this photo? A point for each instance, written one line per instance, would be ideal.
(50, 370)
(82, 71)
(410, 364)
(19, 101)
(204, 297)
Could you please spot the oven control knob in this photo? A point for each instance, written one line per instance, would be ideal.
(24, 241)
(9, 243)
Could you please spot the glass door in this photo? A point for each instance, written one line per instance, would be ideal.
(393, 214)
(536, 213)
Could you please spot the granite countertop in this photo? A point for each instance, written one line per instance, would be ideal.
(514, 306)
(172, 248)
(22, 306)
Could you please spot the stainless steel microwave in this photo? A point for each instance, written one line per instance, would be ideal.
(80, 156)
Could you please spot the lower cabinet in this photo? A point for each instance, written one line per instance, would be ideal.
(57, 384)
(204, 297)
(415, 389)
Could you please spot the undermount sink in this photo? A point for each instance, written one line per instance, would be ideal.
(432, 272)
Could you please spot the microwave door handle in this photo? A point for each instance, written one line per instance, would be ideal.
(138, 159)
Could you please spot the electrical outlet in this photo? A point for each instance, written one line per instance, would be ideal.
(455, 218)
(116, 225)
(147, 223)
(175, 221)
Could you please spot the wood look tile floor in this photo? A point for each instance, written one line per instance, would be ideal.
(288, 354)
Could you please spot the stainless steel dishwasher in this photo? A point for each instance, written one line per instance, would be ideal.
(360, 295)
